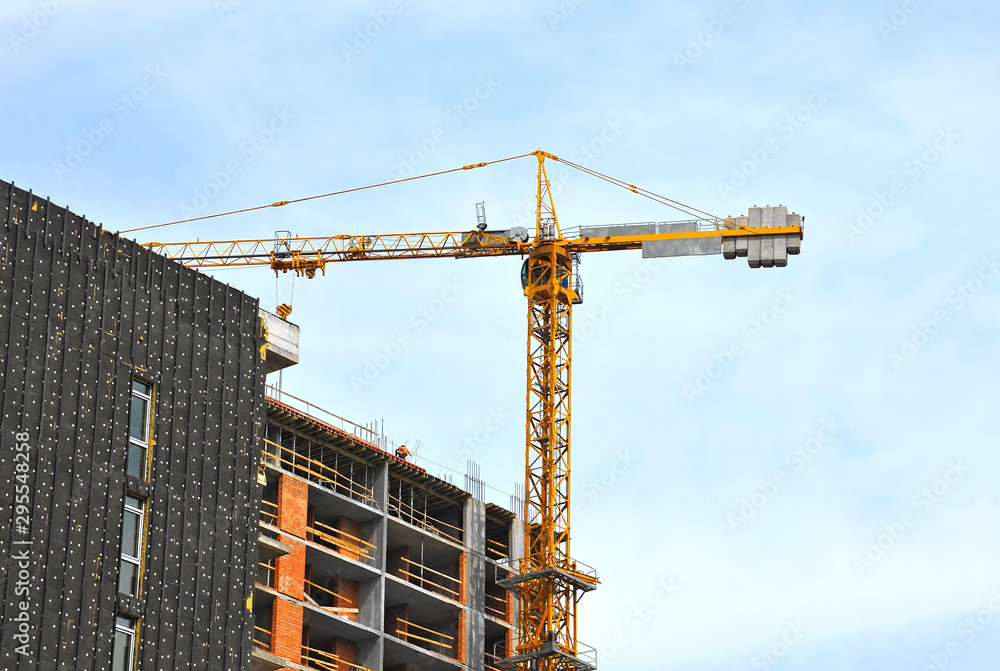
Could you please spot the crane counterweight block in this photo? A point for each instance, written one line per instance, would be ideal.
(765, 251)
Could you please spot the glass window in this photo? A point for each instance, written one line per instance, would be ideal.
(138, 429)
(132, 546)
(123, 655)
(137, 418)
(136, 463)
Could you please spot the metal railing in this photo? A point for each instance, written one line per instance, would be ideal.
(434, 583)
(341, 541)
(327, 661)
(317, 472)
(422, 519)
(266, 576)
(496, 606)
(406, 635)
(325, 416)
(258, 634)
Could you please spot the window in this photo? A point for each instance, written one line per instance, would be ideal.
(133, 540)
(123, 655)
(138, 429)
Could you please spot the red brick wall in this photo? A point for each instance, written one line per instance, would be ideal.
(460, 637)
(345, 652)
(286, 631)
(293, 505)
(290, 569)
(348, 591)
(463, 561)
(351, 527)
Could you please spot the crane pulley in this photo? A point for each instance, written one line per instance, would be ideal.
(549, 581)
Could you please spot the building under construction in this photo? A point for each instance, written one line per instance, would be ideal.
(165, 510)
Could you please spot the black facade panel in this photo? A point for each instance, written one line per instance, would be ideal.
(82, 312)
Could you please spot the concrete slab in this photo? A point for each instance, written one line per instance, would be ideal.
(268, 548)
(282, 342)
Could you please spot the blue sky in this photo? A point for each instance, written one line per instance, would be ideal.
(720, 545)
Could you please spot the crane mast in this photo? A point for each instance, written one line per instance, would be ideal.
(549, 582)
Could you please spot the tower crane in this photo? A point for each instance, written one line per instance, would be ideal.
(549, 582)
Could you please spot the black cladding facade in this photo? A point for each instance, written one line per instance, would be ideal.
(82, 313)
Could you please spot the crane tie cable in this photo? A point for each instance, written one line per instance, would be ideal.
(281, 203)
(663, 200)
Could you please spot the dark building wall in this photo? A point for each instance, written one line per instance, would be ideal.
(81, 312)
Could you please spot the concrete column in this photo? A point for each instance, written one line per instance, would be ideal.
(374, 596)
(516, 552)
(475, 583)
